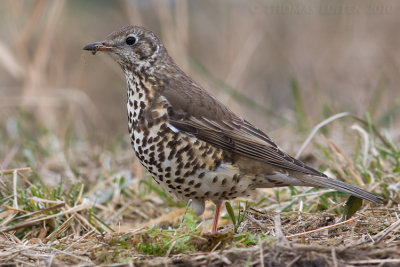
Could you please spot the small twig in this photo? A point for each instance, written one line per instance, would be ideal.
(61, 228)
(261, 252)
(252, 219)
(317, 127)
(13, 209)
(11, 171)
(381, 235)
(321, 249)
(334, 258)
(70, 254)
(15, 181)
(86, 222)
(38, 199)
(80, 239)
(321, 229)
(41, 211)
(374, 261)
(216, 246)
(376, 132)
(364, 136)
(280, 237)
(293, 261)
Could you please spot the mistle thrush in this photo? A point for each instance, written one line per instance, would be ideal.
(194, 146)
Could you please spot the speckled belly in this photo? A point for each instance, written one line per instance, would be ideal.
(186, 167)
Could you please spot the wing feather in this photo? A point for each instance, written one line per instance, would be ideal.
(241, 137)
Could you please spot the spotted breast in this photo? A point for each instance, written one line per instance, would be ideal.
(186, 167)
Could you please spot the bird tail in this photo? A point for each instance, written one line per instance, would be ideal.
(319, 181)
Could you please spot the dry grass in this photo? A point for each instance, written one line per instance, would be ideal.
(49, 217)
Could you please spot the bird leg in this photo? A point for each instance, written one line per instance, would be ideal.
(216, 217)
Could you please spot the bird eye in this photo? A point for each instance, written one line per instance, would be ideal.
(130, 40)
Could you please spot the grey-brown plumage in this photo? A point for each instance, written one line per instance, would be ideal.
(193, 145)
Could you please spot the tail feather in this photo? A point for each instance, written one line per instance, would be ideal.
(340, 186)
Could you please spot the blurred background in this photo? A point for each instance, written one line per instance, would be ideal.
(284, 65)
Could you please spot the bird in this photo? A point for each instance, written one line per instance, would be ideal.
(195, 147)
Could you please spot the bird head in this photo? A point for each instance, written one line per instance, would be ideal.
(133, 47)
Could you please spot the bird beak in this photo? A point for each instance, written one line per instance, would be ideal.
(97, 46)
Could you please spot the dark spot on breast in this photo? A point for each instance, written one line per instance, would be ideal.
(144, 142)
(215, 179)
(171, 186)
(161, 156)
(163, 127)
(171, 144)
(171, 154)
(179, 180)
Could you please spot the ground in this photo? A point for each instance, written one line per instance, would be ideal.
(79, 202)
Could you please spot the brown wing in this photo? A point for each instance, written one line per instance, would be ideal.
(240, 136)
(194, 111)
